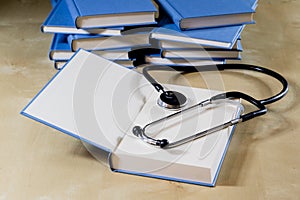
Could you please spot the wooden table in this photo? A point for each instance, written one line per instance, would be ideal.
(38, 162)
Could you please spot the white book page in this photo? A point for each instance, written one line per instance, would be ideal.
(91, 98)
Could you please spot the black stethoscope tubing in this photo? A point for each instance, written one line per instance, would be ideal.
(220, 67)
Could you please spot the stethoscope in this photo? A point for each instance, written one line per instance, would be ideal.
(177, 100)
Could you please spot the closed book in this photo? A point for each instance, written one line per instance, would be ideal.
(60, 50)
(125, 63)
(103, 13)
(212, 13)
(221, 37)
(157, 60)
(60, 20)
(204, 53)
(167, 44)
(98, 101)
(94, 42)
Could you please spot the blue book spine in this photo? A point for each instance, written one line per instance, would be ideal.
(52, 46)
(59, 43)
(53, 3)
(59, 16)
(70, 39)
(73, 10)
(171, 11)
(49, 18)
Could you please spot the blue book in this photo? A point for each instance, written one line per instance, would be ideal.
(103, 13)
(207, 53)
(60, 50)
(158, 60)
(209, 13)
(58, 65)
(221, 37)
(60, 20)
(94, 42)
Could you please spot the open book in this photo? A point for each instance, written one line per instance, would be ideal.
(99, 102)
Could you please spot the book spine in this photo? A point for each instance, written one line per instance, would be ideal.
(237, 35)
(70, 41)
(50, 16)
(73, 10)
(54, 2)
(52, 46)
(176, 17)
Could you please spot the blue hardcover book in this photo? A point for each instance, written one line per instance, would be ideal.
(60, 20)
(94, 42)
(58, 65)
(60, 50)
(207, 53)
(212, 13)
(158, 60)
(221, 37)
(103, 13)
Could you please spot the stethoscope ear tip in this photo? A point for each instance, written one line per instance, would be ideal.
(163, 143)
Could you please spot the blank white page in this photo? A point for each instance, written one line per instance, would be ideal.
(91, 98)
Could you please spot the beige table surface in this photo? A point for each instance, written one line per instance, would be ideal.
(37, 162)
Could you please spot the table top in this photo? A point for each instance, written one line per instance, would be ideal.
(38, 162)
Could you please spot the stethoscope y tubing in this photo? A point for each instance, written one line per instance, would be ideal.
(220, 67)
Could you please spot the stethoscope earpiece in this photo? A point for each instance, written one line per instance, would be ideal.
(172, 100)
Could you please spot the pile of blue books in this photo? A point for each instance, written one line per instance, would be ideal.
(186, 32)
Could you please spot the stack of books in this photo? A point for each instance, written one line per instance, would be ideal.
(187, 32)
(97, 26)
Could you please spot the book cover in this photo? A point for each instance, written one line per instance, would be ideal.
(213, 13)
(102, 13)
(78, 103)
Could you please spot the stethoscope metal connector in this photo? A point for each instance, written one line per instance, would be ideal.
(139, 132)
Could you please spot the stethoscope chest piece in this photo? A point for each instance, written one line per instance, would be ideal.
(172, 100)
